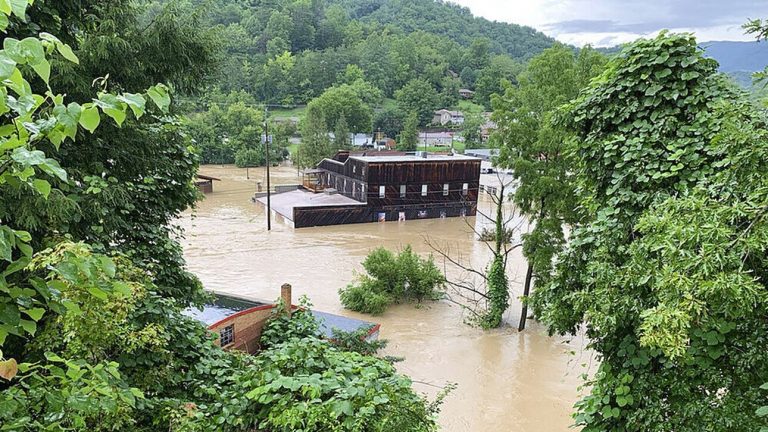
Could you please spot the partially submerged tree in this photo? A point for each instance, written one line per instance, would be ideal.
(538, 152)
(484, 292)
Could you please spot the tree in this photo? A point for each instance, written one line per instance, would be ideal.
(484, 293)
(537, 151)
(420, 97)
(665, 264)
(409, 138)
(391, 279)
(342, 134)
(490, 79)
(342, 101)
(390, 121)
(315, 143)
(470, 130)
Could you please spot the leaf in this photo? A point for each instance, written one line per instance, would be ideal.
(51, 167)
(159, 95)
(8, 369)
(7, 66)
(35, 313)
(136, 102)
(43, 70)
(28, 158)
(762, 411)
(19, 8)
(28, 326)
(98, 293)
(90, 118)
(42, 186)
(66, 52)
(5, 7)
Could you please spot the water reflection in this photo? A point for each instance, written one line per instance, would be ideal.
(508, 381)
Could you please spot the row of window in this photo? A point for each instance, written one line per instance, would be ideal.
(424, 190)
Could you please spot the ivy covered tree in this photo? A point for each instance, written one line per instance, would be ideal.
(666, 266)
(538, 151)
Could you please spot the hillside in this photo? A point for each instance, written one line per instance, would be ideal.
(289, 52)
(452, 21)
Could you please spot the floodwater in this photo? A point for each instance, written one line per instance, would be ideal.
(507, 381)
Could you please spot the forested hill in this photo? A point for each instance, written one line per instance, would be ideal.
(291, 51)
(450, 20)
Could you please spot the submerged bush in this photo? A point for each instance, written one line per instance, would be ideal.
(391, 279)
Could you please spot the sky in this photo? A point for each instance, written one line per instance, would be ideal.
(605, 23)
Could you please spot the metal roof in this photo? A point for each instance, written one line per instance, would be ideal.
(415, 158)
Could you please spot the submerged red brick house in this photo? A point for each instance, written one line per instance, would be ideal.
(240, 321)
(371, 187)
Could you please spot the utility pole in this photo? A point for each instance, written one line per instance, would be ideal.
(266, 147)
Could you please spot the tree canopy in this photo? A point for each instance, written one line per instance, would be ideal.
(664, 265)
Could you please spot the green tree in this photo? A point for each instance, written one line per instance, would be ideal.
(418, 96)
(409, 138)
(315, 143)
(341, 133)
(391, 279)
(490, 79)
(663, 265)
(470, 130)
(537, 151)
(343, 101)
(390, 121)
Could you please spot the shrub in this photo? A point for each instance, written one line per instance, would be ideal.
(392, 278)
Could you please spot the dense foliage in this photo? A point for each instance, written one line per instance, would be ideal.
(391, 279)
(538, 151)
(92, 283)
(667, 264)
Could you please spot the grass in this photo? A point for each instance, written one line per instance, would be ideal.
(292, 148)
(285, 113)
(469, 107)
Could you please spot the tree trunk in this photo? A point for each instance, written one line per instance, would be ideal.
(526, 291)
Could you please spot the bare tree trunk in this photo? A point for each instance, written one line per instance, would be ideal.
(526, 291)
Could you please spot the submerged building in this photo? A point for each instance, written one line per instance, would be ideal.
(380, 187)
(239, 321)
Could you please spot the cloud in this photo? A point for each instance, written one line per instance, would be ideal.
(604, 22)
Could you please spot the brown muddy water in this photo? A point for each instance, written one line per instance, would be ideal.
(507, 381)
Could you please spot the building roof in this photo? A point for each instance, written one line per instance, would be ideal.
(414, 158)
(205, 177)
(285, 202)
(225, 306)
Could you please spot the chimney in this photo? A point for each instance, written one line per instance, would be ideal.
(285, 295)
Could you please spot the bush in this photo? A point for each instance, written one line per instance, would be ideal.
(392, 278)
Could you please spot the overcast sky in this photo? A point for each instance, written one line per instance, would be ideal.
(611, 22)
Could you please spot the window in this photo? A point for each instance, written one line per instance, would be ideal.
(465, 189)
(382, 191)
(446, 189)
(402, 191)
(423, 190)
(227, 335)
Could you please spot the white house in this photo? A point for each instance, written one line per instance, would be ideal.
(444, 116)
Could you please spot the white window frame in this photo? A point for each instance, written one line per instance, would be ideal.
(465, 189)
(424, 190)
(382, 191)
(446, 189)
(403, 191)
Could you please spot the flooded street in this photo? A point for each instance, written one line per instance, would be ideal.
(507, 381)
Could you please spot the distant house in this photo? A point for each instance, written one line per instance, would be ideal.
(444, 117)
(488, 126)
(466, 93)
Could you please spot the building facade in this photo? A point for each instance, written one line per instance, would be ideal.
(395, 188)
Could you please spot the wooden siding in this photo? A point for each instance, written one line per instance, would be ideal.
(435, 171)
(352, 168)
